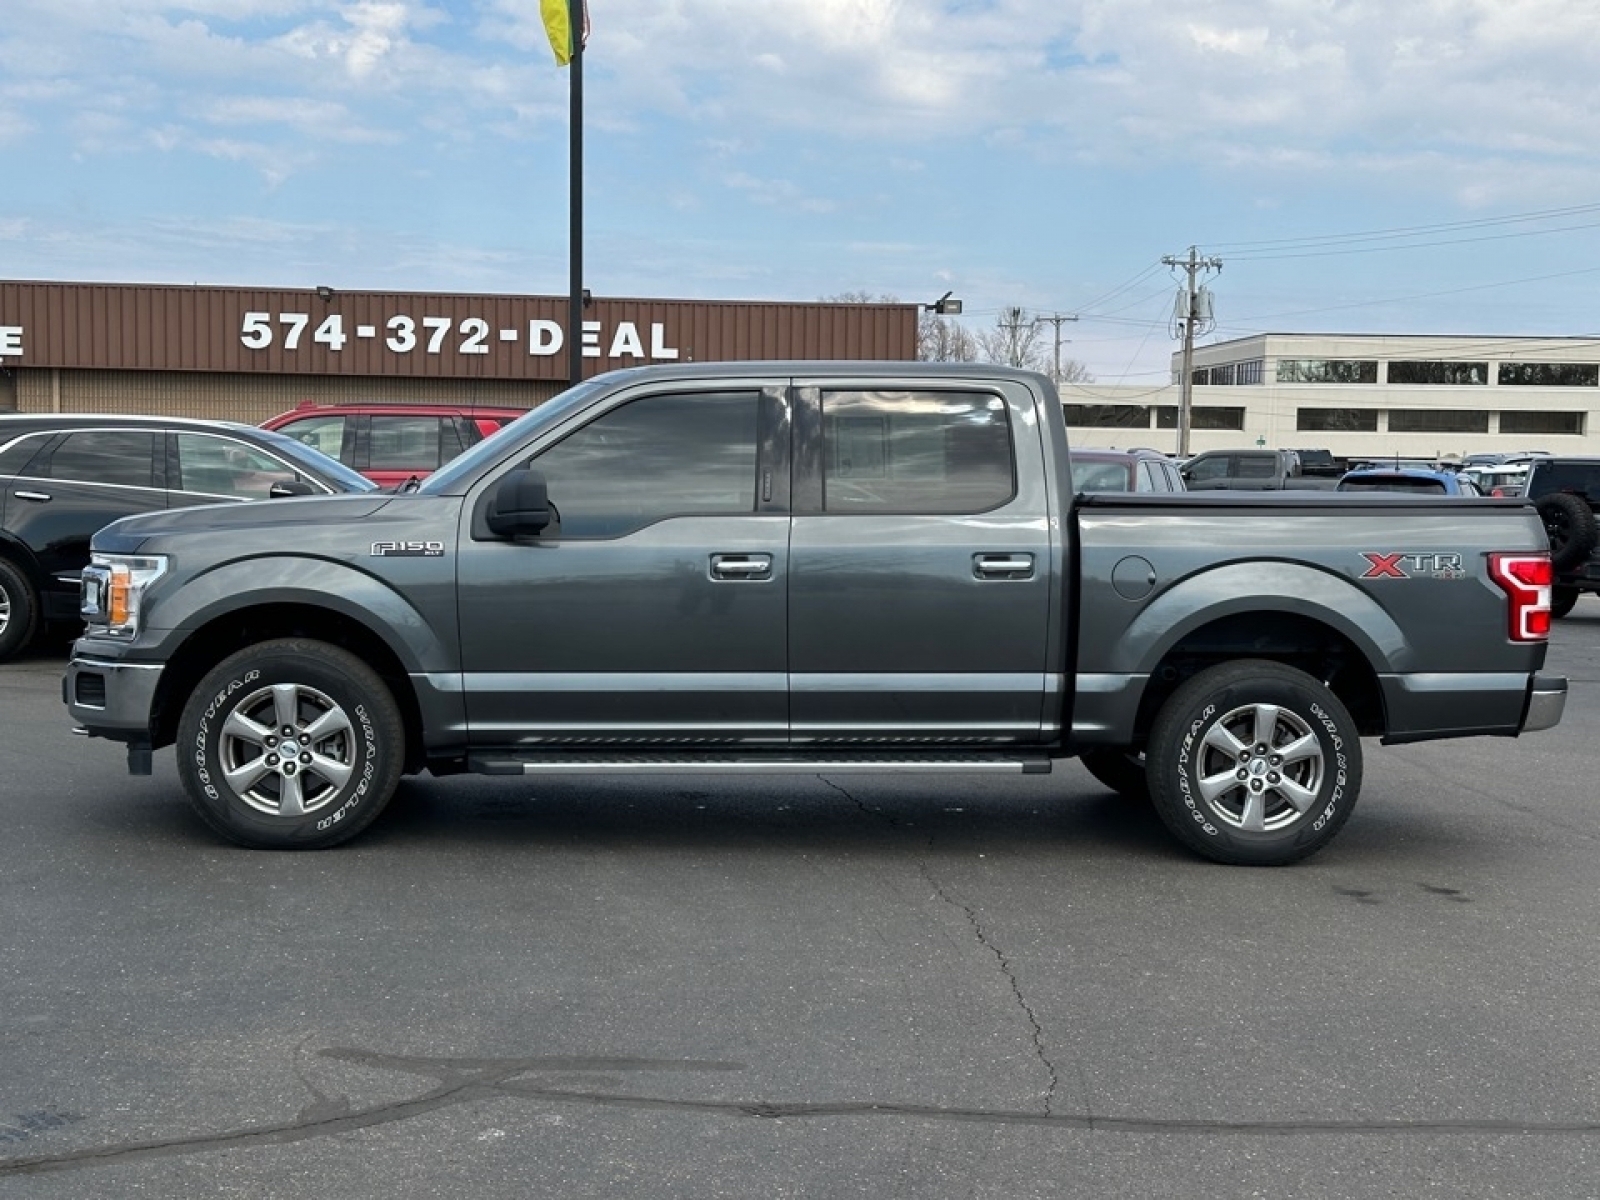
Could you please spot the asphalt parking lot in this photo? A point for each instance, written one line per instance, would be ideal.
(828, 986)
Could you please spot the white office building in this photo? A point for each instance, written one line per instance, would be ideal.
(1412, 395)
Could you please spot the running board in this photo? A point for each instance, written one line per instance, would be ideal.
(754, 764)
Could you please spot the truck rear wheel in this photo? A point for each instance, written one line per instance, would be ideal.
(1562, 600)
(1254, 763)
(290, 745)
(1120, 770)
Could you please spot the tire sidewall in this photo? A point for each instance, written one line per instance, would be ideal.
(1582, 531)
(20, 626)
(377, 756)
(1173, 762)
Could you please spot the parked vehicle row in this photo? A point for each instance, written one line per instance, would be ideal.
(63, 477)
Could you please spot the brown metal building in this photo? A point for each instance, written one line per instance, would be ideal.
(247, 353)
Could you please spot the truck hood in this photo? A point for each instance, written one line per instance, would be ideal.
(129, 534)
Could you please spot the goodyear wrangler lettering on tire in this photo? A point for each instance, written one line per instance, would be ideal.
(294, 745)
(1254, 762)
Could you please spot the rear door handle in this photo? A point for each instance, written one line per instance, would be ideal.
(38, 497)
(1002, 566)
(741, 566)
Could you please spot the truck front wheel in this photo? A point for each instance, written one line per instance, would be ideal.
(1254, 763)
(290, 745)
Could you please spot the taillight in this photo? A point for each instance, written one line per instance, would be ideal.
(1526, 580)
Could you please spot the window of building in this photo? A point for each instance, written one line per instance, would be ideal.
(1438, 372)
(1534, 374)
(1542, 422)
(1107, 416)
(1337, 420)
(915, 452)
(1327, 370)
(670, 455)
(1222, 375)
(1250, 372)
(1438, 420)
(1201, 416)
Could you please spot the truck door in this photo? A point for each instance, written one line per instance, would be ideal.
(652, 613)
(920, 565)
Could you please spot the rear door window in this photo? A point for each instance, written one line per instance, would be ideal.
(915, 452)
(119, 457)
(406, 443)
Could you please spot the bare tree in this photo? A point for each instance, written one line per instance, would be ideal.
(1017, 340)
(1014, 341)
(943, 340)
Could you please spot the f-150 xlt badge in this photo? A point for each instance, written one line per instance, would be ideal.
(407, 549)
(1407, 565)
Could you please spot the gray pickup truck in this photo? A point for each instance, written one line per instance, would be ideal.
(807, 567)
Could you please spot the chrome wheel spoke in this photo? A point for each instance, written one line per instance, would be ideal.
(1254, 817)
(242, 727)
(1266, 724)
(1301, 797)
(1302, 748)
(286, 705)
(1220, 738)
(331, 769)
(329, 723)
(290, 801)
(1214, 787)
(244, 777)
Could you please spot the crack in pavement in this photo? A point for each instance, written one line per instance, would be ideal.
(461, 1080)
(1016, 988)
(1036, 1030)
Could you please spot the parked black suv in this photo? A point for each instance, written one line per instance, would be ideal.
(1565, 491)
(63, 477)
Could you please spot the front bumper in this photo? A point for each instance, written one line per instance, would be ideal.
(111, 698)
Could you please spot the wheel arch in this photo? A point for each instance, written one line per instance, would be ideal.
(1282, 612)
(236, 629)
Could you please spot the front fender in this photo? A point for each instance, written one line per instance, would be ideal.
(416, 617)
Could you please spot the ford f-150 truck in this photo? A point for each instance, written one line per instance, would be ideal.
(808, 567)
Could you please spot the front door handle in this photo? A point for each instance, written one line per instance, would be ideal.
(37, 497)
(741, 566)
(1002, 566)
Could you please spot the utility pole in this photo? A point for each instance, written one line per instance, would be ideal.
(1193, 307)
(1056, 320)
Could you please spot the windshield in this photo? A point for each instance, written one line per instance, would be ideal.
(449, 478)
(315, 461)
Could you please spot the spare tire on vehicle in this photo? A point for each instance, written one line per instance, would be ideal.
(1571, 526)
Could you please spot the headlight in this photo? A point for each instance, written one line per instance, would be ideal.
(112, 588)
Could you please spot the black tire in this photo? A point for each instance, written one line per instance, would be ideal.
(1120, 770)
(345, 765)
(1562, 600)
(19, 611)
(1244, 802)
(1570, 524)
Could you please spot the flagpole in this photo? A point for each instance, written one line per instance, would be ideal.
(575, 201)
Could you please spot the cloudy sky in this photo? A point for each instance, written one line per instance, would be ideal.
(1357, 165)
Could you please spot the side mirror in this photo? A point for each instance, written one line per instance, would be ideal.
(290, 487)
(520, 504)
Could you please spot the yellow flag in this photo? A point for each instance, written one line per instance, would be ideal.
(557, 16)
